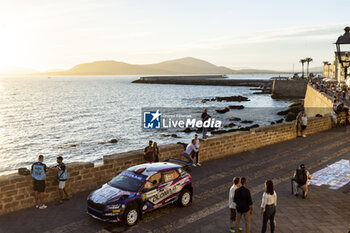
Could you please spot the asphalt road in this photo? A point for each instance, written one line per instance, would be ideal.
(324, 210)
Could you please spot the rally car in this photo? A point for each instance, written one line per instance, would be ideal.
(138, 190)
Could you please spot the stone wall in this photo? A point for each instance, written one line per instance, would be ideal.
(16, 191)
(316, 102)
(288, 88)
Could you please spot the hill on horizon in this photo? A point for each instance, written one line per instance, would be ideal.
(186, 65)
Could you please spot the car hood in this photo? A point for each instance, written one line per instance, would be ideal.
(107, 194)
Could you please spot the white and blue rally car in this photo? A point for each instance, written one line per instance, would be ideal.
(140, 189)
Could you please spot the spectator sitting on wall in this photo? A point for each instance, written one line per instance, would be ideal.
(340, 108)
(189, 149)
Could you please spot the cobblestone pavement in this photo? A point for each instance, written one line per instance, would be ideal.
(324, 210)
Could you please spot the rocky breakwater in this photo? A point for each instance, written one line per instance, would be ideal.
(187, 80)
(262, 90)
(236, 98)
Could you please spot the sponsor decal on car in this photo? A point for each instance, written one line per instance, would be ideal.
(140, 178)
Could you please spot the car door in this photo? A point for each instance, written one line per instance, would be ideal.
(168, 188)
(159, 187)
(151, 191)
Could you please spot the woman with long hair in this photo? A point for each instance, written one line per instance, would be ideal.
(155, 152)
(268, 206)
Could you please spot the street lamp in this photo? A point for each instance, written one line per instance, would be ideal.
(344, 56)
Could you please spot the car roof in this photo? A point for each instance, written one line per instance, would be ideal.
(148, 169)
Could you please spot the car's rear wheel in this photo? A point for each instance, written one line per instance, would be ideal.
(185, 198)
(131, 215)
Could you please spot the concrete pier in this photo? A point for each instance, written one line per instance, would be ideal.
(211, 80)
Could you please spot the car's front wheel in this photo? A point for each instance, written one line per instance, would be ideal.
(131, 215)
(185, 198)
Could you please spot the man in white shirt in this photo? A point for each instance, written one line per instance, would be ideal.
(197, 145)
(231, 204)
(303, 124)
(190, 147)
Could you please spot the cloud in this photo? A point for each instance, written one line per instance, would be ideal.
(310, 33)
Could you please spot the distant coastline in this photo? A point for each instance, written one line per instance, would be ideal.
(187, 65)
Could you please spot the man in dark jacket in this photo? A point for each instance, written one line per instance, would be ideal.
(244, 205)
(300, 180)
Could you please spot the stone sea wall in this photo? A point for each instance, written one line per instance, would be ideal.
(317, 102)
(16, 191)
(288, 88)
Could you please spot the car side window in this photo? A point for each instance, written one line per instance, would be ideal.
(153, 181)
(170, 175)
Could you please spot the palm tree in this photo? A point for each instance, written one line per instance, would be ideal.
(308, 60)
(302, 61)
(325, 63)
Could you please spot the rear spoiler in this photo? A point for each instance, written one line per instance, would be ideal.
(184, 164)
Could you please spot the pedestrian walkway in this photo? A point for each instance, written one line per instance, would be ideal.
(324, 210)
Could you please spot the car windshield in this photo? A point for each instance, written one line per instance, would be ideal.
(127, 181)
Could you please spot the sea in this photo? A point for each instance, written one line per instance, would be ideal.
(76, 116)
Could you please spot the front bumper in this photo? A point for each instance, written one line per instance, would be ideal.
(104, 219)
(98, 212)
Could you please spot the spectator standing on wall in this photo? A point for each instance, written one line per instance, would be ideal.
(197, 145)
(205, 117)
(232, 204)
(155, 152)
(244, 205)
(303, 124)
(62, 177)
(298, 122)
(268, 207)
(39, 172)
(149, 152)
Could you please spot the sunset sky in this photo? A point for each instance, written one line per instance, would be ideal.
(45, 35)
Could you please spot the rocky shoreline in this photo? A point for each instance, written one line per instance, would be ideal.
(238, 124)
